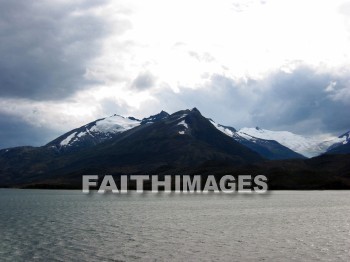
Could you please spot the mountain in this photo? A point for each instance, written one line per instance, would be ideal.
(155, 118)
(341, 146)
(322, 172)
(269, 149)
(184, 142)
(307, 146)
(99, 131)
(93, 133)
(110, 127)
(181, 140)
(107, 128)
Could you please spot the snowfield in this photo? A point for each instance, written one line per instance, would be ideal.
(223, 129)
(114, 124)
(307, 146)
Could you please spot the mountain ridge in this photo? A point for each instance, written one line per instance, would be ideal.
(307, 146)
(184, 141)
(270, 144)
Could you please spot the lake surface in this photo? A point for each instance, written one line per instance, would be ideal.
(50, 225)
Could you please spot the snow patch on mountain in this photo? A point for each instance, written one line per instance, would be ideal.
(81, 134)
(101, 129)
(68, 139)
(223, 129)
(114, 124)
(341, 140)
(307, 146)
(182, 116)
(183, 123)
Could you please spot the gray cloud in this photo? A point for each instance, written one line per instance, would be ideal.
(204, 57)
(144, 81)
(297, 101)
(16, 132)
(300, 101)
(46, 47)
(110, 107)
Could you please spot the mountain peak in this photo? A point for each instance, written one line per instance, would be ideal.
(155, 118)
(163, 113)
(133, 118)
(347, 135)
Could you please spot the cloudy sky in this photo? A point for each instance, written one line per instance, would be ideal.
(279, 64)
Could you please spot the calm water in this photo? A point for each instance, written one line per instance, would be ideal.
(43, 225)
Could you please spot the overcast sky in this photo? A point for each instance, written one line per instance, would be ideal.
(280, 64)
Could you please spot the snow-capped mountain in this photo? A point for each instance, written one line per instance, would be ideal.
(186, 124)
(94, 132)
(307, 146)
(270, 144)
(183, 141)
(341, 145)
(341, 140)
(268, 148)
(100, 130)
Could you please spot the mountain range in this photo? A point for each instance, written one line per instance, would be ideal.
(184, 141)
(269, 144)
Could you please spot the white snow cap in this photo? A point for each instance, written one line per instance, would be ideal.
(224, 130)
(307, 146)
(114, 124)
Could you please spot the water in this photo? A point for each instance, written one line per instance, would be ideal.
(43, 225)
